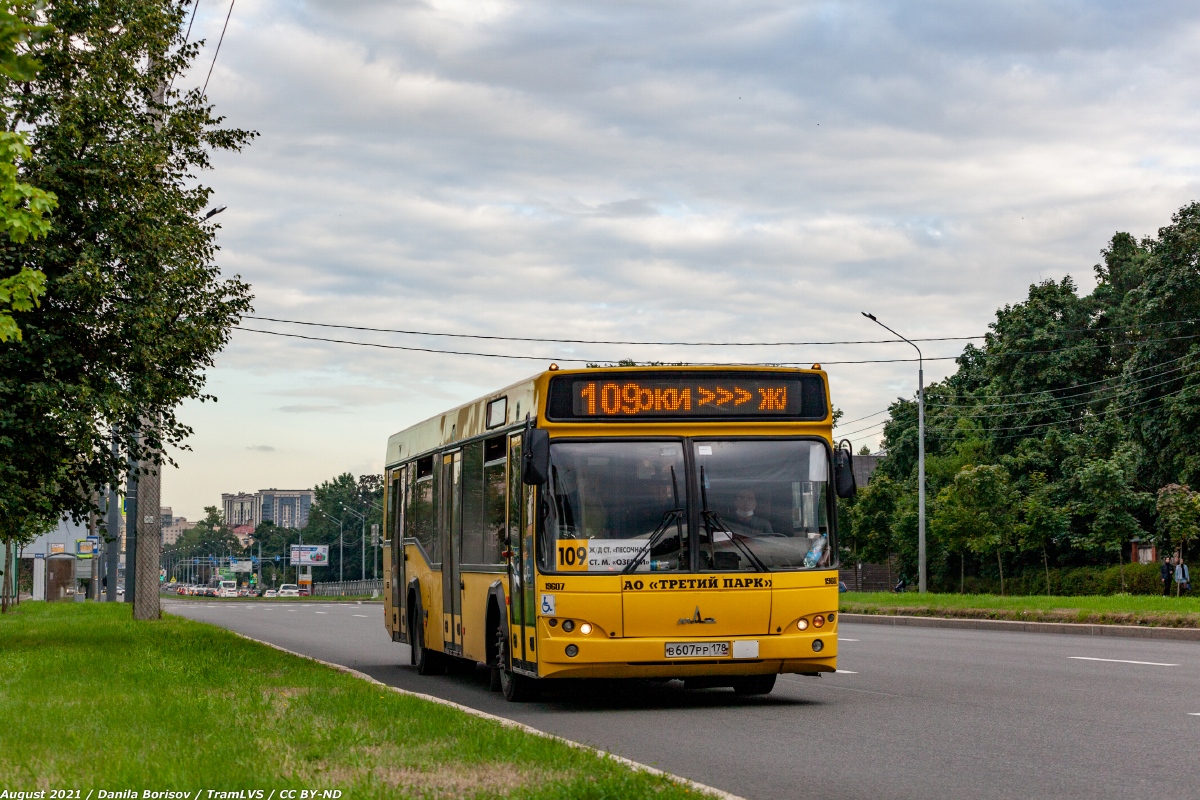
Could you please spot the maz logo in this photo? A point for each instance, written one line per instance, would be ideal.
(696, 619)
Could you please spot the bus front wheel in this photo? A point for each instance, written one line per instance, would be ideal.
(516, 688)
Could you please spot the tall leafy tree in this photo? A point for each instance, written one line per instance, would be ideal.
(1178, 516)
(23, 207)
(134, 307)
(976, 510)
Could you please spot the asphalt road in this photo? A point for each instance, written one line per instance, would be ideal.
(918, 712)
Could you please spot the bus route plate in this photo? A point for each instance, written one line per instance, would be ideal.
(697, 649)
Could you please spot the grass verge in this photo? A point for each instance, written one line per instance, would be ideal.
(93, 700)
(1182, 612)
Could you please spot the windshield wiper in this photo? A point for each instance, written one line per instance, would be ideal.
(712, 519)
(663, 527)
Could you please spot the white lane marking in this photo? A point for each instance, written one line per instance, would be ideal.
(846, 672)
(1123, 661)
(840, 639)
(364, 616)
(318, 612)
(1194, 713)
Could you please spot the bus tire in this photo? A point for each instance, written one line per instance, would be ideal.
(516, 688)
(753, 684)
(428, 662)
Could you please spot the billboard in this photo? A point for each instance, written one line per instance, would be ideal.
(310, 555)
(241, 565)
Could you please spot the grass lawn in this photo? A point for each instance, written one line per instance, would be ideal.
(93, 700)
(1112, 609)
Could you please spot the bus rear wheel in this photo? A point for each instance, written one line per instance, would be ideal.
(753, 684)
(516, 688)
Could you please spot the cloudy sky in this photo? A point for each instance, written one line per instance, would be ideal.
(701, 171)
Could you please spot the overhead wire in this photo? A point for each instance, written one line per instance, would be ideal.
(407, 332)
(1067, 422)
(218, 51)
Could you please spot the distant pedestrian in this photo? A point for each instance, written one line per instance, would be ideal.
(1183, 580)
(1165, 572)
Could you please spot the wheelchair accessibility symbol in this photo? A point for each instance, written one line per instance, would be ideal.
(548, 605)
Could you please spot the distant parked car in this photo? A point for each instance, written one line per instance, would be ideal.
(270, 593)
(289, 590)
(304, 592)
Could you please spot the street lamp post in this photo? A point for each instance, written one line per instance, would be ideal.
(364, 539)
(341, 560)
(921, 581)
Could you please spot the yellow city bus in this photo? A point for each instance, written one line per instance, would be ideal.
(635, 522)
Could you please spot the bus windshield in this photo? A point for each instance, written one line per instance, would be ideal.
(760, 504)
(764, 504)
(610, 499)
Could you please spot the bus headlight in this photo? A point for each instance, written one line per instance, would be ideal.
(585, 628)
(802, 624)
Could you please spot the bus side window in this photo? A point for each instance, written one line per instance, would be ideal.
(420, 521)
(494, 495)
(472, 512)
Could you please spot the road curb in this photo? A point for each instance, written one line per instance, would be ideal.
(1072, 628)
(711, 791)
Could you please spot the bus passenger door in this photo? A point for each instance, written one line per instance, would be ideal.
(450, 524)
(395, 564)
(521, 584)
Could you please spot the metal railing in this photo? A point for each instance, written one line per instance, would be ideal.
(344, 588)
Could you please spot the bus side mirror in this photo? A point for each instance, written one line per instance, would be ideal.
(535, 456)
(843, 471)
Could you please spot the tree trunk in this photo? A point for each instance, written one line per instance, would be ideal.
(1046, 564)
(1121, 561)
(1000, 563)
(962, 573)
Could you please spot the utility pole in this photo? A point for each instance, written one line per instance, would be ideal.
(131, 518)
(112, 536)
(148, 603)
(922, 582)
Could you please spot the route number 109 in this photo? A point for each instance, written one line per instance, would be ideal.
(572, 558)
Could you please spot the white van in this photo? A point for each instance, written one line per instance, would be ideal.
(227, 589)
(289, 590)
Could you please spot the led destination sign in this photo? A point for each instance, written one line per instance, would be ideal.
(681, 395)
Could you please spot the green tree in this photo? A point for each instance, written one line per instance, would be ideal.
(978, 511)
(23, 207)
(871, 520)
(1106, 498)
(331, 499)
(135, 309)
(1178, 516)
(1043, 520)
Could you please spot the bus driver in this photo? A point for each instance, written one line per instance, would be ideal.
(745, 522)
